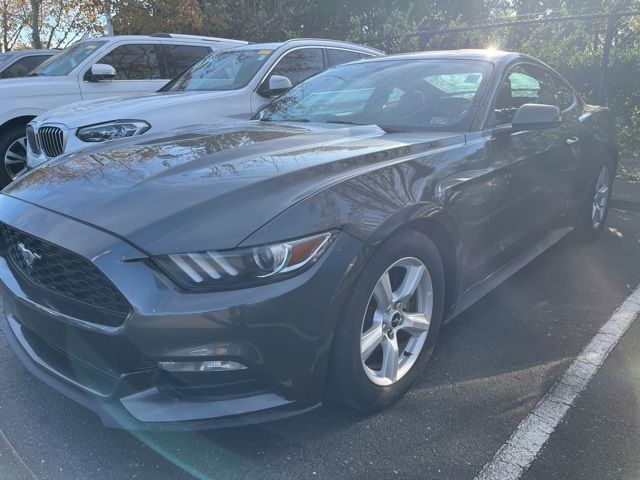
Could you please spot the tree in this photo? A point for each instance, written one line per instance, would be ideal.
(58, 23)
(136, 17)
(13, 21)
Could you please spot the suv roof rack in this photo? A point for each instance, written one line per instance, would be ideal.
(346, 42)
(179, 36)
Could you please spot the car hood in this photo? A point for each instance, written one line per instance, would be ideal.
(208, 189)
(90, 112)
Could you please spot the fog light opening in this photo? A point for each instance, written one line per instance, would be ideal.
(202, 366)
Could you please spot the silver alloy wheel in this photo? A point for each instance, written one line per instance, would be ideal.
(15, 158)
(600, 198)
(396, 322)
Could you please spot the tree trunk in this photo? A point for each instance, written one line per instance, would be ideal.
(108, 14)
(5, 28)
(35, 23)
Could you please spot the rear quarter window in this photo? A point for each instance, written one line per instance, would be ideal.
(181, 57)
(338, 57)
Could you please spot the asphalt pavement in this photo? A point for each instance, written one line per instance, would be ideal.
(491, 367)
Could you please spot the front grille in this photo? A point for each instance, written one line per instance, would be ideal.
(51, 140)
(65, 273)
(31, 140)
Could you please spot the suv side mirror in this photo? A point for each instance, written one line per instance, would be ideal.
(277, 86)
(533, 116)
(102, 71)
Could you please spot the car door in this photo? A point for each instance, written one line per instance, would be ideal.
(296, 64)
(138, 68)
(574, 181)
(531, 169)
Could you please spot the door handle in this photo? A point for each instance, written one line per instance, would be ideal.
(572, 140)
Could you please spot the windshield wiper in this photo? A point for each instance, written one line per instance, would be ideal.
(297, 119)
(343, 122)
(301, 120)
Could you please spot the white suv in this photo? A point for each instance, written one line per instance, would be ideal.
(92, 68)
(228, 85)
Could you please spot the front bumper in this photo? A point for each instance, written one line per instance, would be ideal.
(281, 332)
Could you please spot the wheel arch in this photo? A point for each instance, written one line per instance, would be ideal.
(17, 121)
(435, 223)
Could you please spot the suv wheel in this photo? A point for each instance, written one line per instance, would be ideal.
(390, 324)
(13, 154)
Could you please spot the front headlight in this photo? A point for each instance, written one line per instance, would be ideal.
(111, 130)
(244, 267)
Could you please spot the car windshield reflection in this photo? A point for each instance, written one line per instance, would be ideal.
(227, 70)
(428, 95)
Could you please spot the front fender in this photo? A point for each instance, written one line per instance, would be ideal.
(371, 207)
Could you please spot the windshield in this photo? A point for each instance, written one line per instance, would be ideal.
(227, 70)
(397, 95)
(64, 63)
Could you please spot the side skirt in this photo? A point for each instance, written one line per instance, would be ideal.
(480, 289)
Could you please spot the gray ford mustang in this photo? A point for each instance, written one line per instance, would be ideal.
(242, 273)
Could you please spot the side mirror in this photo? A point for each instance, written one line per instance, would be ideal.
(277, 86)
(101, 72)
(532, 116)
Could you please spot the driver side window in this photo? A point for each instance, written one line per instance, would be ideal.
(524, 84)
(134, 62)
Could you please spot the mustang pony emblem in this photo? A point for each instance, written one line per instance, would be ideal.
(28, 256)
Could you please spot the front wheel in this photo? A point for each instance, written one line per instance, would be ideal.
(390, 324)
(592, 216)
(13, 154)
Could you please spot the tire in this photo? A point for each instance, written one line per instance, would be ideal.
(592, 215)
(360, 380)
(13, 143)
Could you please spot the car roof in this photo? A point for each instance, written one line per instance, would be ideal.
(321, 42)
(333, 43)
(487, 55)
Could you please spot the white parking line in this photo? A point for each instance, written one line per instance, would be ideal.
(17, 456)
(516, 455)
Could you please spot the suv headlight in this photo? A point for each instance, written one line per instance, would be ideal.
(111, 130)
(244, 267)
